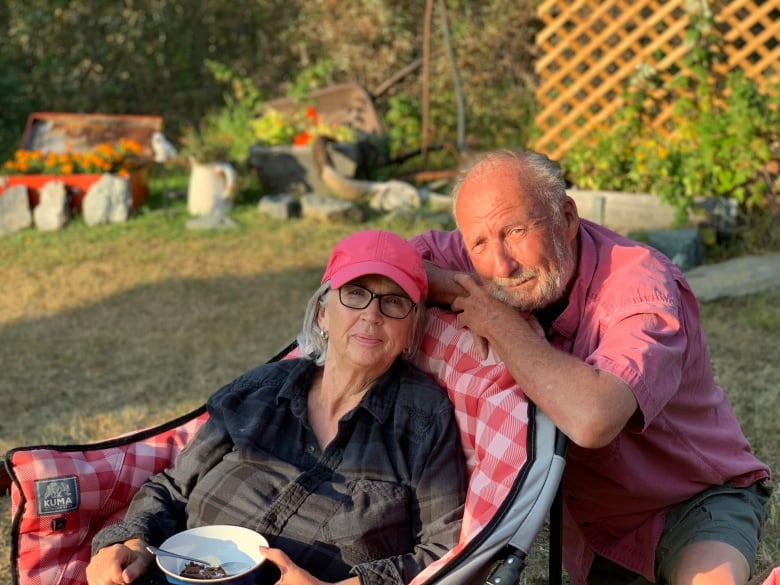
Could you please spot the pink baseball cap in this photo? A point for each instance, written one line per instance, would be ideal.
(378, 252)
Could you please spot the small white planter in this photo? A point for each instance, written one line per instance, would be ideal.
(628, 212)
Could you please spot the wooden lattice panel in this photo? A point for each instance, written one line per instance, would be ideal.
(589, 50)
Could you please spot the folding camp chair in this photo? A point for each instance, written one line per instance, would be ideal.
(61, 495)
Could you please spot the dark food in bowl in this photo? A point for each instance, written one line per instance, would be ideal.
(197, 571)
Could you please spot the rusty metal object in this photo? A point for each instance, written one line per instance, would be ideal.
(60, 132)
(346, 103)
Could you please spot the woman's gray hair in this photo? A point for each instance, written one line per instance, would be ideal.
(313, 343)
(542, 176)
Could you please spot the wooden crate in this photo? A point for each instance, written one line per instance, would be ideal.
(60, 132)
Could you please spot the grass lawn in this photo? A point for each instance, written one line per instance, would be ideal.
(108, 329)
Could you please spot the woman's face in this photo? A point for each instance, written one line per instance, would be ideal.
(365, 338)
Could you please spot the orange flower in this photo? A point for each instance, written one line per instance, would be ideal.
(302, 139)
(103, 158)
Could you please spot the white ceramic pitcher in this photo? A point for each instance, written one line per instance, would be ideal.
(211, 187)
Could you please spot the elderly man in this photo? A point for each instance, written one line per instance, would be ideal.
(603, 334)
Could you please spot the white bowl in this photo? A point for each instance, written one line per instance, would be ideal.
(217, 544)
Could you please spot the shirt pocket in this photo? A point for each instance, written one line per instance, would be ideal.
(375, 520)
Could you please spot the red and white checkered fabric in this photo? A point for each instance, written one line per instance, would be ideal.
(490, 409)
(54, 548)
(773, 578)
(492, 414)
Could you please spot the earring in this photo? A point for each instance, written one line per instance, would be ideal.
(324, 335)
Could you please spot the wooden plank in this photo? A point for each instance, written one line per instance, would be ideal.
(554, 25)
(739, 28)
(582, 27)
(598, 41)
(627, 69)
(567, 121)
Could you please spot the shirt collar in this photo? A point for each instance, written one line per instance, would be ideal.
(568, 321)
(378, 401)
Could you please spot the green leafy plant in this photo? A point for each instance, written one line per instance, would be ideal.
(205, 142)
(402, 118)
(225, 133)
(721, 140)
(297, 128)
(311, 77)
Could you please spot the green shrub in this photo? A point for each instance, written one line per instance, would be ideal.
(225, 132)
(721, 140)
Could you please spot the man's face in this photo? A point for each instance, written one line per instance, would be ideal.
(516, 246)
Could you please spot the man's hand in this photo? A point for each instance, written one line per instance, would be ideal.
(589, 406)
(482, 313)
(442, 286)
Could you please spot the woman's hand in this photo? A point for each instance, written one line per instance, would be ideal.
(292, 574)
(119, 564)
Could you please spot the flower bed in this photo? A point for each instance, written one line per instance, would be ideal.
(77, 170)
(282, 154)
(298, 128)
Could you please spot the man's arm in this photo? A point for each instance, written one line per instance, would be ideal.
(442, 286)
(445, 256)
(590, 406)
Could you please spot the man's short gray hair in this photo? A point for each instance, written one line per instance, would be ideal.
(542, 176)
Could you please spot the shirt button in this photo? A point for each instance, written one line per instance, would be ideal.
(310, 449)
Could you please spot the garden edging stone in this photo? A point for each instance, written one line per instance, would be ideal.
(736, 277)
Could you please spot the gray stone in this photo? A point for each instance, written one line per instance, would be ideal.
(437, 201)
(683, 246)
(107, 201)
(627, 212)
(52, 211)
(392, 195)
(736, 277)
(282, 206)
(722, 212)
(15, 212)
(216, 220)
(324, 208)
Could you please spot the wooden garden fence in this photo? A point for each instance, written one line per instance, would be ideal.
(590, 49)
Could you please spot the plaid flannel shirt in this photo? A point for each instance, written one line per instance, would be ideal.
(345, 510)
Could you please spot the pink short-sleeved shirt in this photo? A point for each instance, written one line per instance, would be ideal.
(631, 313)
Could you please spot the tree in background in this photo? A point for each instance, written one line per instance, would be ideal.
(149, 57)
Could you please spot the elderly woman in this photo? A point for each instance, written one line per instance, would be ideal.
(346, 459)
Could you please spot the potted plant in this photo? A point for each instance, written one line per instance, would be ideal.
(297, 128)
(212, 181)
(282, 153)
(202, 144)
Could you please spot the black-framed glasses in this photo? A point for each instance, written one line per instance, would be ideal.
(391, 305)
